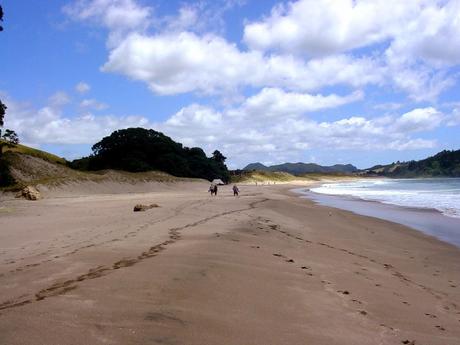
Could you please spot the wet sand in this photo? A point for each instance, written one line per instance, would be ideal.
(265, 268)
(429, 221)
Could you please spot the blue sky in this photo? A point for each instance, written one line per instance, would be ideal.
(362, 82)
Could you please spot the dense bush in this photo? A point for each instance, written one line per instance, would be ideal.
(5, 176)
(140, 149)
(443, 164)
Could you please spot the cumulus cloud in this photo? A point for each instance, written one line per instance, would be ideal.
(410, 44)
(415, 28)
(186, 62)
(420, 39)
(93, 104)
(49, 125)
(82, 87)
(324, 27)
(198, 16)
(241, 131)
(432, 34)
(276, 136)
(118, 16)
(417, 120)
(454, 118)
(59, 98)
(291, 60)
(197, 116)
(181, 57)
(274, 102)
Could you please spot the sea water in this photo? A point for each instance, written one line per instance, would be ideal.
(441, 194)
(431, 205)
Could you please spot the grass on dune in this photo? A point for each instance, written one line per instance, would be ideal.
(36, 153)
(269, 176)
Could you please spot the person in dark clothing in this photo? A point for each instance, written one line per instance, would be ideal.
(213, 189)
(235, 190)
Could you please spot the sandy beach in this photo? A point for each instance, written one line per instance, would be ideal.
(264, 268)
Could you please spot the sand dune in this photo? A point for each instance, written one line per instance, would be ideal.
(263, 268)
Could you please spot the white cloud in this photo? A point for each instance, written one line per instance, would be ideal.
(323, 27)
(198, 16)
(93, 104)
(454, 118)
(59, 98)
(119, 16)
(48, 125)
(187, 17)
(388, 106)
(195, 115)
(274, 134)
(422, 119)
(180, 63)
(185, 62)
(277, 137)
(427, 29)
(274, 102)
(420, 38)
(410, 45)
(82, 87)
(432, 34)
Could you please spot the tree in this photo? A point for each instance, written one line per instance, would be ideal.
(2, 106)
(1, 17)
(2, 112)
(140, 149)
(218, 157)
(9, 138)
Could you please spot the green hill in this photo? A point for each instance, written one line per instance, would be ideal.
(443, 164)
(303, 168)
(35, 153)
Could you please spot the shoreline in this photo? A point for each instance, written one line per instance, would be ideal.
(264, 268)
(429, 221)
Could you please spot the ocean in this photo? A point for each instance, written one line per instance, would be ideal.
(441, 194)
(431, 205)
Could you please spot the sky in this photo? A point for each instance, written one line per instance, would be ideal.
(326, 81)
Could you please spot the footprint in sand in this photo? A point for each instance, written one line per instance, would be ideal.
(431, 315)
(343, 292)
(408, 342)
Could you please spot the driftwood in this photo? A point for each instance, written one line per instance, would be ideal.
(140, 207)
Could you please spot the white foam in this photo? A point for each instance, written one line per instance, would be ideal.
(442, 197)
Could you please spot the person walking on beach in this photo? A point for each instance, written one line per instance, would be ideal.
(235, 190)
(213, 189)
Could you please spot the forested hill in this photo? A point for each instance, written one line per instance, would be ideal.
(443, 164)
(302, 168)
(140, 149)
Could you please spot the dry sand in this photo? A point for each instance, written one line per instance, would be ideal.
(263, 268)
